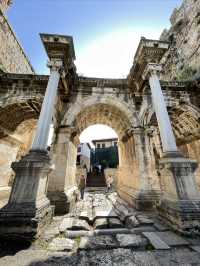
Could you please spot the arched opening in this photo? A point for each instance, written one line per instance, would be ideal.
(184, 119)
(97, 156)
(18, 122)
(133, 172)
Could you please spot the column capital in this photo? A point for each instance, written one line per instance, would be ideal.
(56, 65)
(150, 69)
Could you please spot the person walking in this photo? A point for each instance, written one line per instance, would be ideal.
(82, 185)
(109, 182)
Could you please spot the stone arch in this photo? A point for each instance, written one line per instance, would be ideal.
(133, 175)
(82, 103)
(15, 112)
(18, 119)
(185, 120)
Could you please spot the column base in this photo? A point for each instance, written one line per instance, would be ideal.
(180, 201)
(141, 200)
(28, 209)
(182, 216)
(146, 200)
(23, 222)
(64, 201)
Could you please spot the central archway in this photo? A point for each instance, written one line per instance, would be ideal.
(133, 172)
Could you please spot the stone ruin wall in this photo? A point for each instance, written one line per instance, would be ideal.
(182, 61)
(12, 56)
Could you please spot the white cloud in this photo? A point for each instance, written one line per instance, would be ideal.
(111, 55)
(97, 131)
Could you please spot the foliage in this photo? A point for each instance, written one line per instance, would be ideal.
(107, 157)
(187, 73)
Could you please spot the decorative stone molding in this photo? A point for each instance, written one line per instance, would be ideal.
(151, 69)
(56, 65)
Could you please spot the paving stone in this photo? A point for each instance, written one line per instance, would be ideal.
(80, 225)
(143, 228)
(144, 220)
(195, 248)
(50, 233)
(115, 223)
(105, 213)
(146, 258)
(73, 224)
(98, 242)
(61, 244)
(172, 239)
(86, 215)
(66, 224)
(94, 258)
(100, 223)
(178, 257)
(127, 240)
(155, 240)
(161, 227)
(131, 221)
(122, 257)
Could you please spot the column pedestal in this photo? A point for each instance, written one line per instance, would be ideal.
(146, 196)
(180, 202)
(28, 209)
(62, 191)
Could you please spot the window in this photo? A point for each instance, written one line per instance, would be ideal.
(79, 149)
(103, 145)
(115, 143)
(98, 145)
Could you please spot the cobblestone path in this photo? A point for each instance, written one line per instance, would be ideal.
(104, 230)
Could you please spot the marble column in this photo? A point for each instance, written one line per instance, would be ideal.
(46, 114)
(164, 124)
(28, 209)
(180, 199)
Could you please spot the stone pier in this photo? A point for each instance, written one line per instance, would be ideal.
(28, 209)
(180, 200)
(62, 188)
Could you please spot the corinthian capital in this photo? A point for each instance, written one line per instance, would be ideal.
(151, 68)
(56, 65)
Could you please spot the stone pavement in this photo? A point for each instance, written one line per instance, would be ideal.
(104, 230)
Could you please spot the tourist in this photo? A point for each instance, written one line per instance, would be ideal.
(109, 182)
(82, 185)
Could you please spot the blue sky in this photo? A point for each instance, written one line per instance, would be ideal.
(105, 32)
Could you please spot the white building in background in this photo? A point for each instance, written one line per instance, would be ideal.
(104, 143)
(83, 155)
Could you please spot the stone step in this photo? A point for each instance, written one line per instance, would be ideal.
(172, 239)
(109, 231)
(155, 240)
(98, 242)
(73, 224)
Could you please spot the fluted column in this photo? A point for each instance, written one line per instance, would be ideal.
(46, 114)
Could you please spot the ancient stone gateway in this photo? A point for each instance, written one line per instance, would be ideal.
(144, 110)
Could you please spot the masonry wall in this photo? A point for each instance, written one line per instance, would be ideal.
(183, 59)
(191, 150)
(12, 56)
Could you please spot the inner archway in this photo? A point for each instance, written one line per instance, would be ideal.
(133, 172)
(97, 156)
